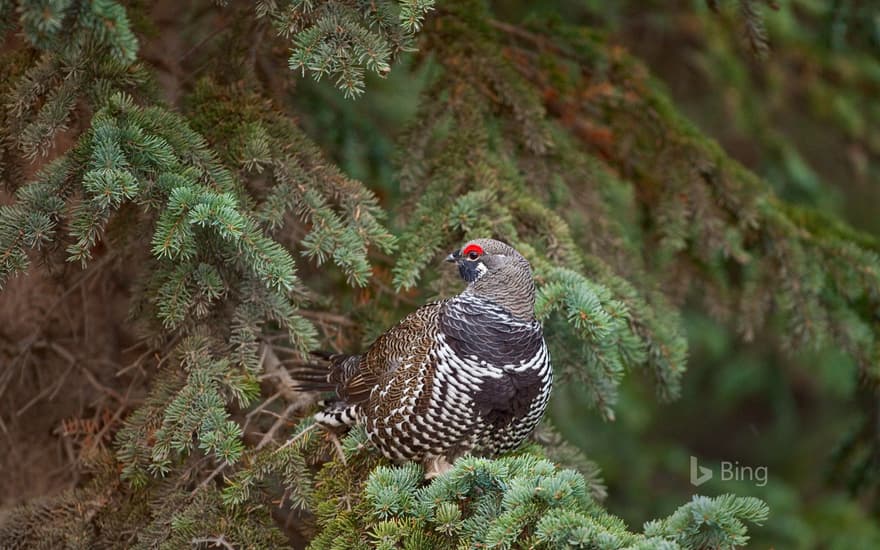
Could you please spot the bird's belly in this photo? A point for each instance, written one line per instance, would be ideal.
(437, 415)
(435, 421)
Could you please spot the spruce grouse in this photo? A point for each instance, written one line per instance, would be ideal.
(469, 374)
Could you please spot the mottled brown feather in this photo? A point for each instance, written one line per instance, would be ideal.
(406, 345)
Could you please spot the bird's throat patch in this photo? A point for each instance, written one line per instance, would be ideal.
(472, 271)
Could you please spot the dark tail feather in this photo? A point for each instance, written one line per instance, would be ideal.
(312, 376)
(320, 375)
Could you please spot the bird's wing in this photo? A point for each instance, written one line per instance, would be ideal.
(501, 400)
(408, 344)
(344, 376)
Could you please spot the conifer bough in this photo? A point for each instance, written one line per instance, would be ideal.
(241, 244)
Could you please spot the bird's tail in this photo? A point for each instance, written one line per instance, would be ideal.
(337, 414)
(321, 373)
(312, 376)
(324, 373)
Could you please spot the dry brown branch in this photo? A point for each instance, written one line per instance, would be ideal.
(269, 436)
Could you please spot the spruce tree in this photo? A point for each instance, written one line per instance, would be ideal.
(168, 177)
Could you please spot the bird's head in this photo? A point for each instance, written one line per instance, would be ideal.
(496, 271)
(485, 258)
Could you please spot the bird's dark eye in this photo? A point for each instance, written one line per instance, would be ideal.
(472, 251)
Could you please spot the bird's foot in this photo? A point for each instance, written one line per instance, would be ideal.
(435, 466)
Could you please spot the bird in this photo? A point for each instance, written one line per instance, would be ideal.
(470, 374)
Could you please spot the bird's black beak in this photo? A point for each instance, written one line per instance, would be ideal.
(453, 257)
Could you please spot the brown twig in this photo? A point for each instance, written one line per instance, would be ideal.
(205, 40)
(211, 476)
(160, 359)
(250, 416)
(269, 436)
(101, 387)
(299, 436)
(113, 419)
(49, 391)
(331, 318)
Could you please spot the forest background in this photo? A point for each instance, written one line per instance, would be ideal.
(695, 182)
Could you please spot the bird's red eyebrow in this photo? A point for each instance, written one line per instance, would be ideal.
(472, 248)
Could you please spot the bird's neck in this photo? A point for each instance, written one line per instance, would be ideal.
(519, 300)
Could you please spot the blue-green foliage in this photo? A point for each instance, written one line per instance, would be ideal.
(344, 218)
(88, 49)
(607, 345)
(72, 25)
(525, 501)
(186, 407)
(290, 463)
(711, 522)
(343, 40)
(543, 136)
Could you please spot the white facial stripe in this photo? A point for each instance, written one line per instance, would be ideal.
(481, 269)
